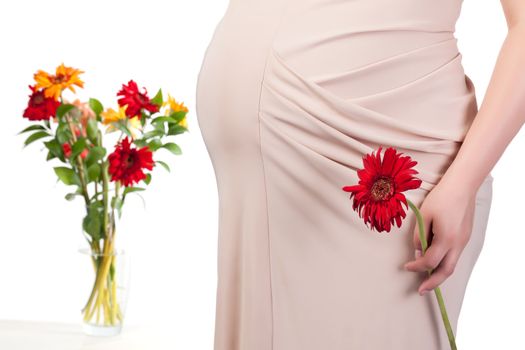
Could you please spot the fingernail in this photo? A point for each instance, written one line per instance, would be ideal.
(424, 291)
(417, 253)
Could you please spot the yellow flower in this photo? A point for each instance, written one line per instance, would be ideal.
(64, 78)
(110, 117)
(173, 106)
(183, 122)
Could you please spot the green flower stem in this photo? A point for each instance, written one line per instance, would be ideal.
(102, 273)
(117, 194)
(80, 164)
(103, 266)
(437, 290)
(105, 194)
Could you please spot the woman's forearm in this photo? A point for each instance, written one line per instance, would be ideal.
(499, 118)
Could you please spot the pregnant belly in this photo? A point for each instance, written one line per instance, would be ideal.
(342, 76)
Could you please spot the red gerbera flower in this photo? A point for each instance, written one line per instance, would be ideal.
(378, 196)
(126, 163)
(40, 107)
(135, 100)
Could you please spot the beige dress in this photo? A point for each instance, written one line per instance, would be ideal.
(291, 94)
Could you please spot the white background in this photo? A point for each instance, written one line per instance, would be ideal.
(160, 44)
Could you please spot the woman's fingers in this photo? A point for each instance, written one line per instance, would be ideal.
(442, 272)
(448, 220)
(431, 259)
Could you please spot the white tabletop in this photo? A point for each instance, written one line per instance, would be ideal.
(31, 335)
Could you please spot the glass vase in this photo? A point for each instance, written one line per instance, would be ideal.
(104, 311)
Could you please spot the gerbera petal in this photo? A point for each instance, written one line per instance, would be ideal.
(388, 161)
(378, 197)
(410, 185)
(353, 188)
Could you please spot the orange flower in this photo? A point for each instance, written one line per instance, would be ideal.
(64, 78)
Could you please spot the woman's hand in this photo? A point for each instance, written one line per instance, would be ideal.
(448, 215)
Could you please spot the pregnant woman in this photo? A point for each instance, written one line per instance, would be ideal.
(290, 96)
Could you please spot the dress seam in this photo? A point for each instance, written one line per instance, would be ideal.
(266, 199)
(264, 170)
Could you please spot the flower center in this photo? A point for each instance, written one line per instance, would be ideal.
(382, 189)
(59, 79)
(129, 161)
(38, 98)
(142, 99)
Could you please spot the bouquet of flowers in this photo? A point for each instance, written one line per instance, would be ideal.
(101, 177)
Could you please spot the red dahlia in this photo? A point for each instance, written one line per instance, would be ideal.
(135, 100)
(379, 194)
(126, 163)
(40, 107)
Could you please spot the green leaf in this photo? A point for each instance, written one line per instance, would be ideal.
(164, 165)
(36, 136)
(132, 189)
(96, 106)
(172, 147)
(160, 127)
(31, 128)
(95, 154)
(78, 147)
(92, 129)
(50, 156)
(157, 99)
(63, 134)
(153, 133)
(143, 117)
(54, 148)
(163, 119)
(140, 142)
(124, 129)
(93, 223)
(154, 145)
(178, 116)
(147, 180)
(94, 172)
(176, 129)
(71, 196)
(67, 175)
(63, 109)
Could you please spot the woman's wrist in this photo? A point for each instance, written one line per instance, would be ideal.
(463, 178)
